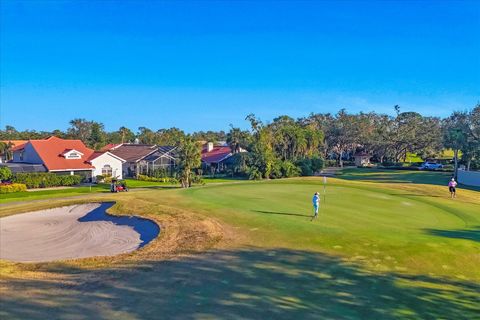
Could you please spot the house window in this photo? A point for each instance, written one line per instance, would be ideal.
(73, 155)
(21, 155)
(107, 170)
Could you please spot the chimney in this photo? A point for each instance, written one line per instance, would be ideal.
(209, 146)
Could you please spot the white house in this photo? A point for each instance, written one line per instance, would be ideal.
(107, 164)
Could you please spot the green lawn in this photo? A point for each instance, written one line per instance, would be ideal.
(100, 188)
(134, 183)
(413, 157)
(48, 194)
(387, 245)
(396, 176)
(70, 192)
(444, 155)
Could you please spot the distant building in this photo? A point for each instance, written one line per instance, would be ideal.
(63, 156)
(144, 158)
(216, 157)
(362, 159)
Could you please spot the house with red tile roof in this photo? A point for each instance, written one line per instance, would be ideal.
(216, 157)
(64, 156)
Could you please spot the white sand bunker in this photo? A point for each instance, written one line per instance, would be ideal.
(77, 231)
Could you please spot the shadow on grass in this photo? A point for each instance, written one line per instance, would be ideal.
(417, 195)
(467, 234)
(147, 229)
(283, 213)
(165, 187)
(244, 284)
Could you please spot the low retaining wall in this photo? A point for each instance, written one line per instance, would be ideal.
(469, 178)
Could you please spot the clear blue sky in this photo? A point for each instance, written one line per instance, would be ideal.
(203, 65)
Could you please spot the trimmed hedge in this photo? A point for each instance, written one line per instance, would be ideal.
(142, 177)
(12, 187)
(46, 180)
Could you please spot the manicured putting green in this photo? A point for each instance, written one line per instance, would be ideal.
(386, 227)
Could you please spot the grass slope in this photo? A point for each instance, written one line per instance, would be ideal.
(387, 245)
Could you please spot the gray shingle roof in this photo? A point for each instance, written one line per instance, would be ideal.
(133, 152)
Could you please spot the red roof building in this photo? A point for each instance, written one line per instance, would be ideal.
(215, 154)
(58, 154)
(215, 158)
(65, 156)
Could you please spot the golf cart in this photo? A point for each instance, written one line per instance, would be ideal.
(118, 186)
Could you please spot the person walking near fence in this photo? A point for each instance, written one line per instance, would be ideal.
(452, 187)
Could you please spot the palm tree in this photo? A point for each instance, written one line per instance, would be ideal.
(189, 155)
(234, 139)
(123, 132)
(6, 150)
(237, 139)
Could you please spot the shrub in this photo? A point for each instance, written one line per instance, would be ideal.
(317, 164)
(143, 177)
(289, 169)
(475, 164)
(103, 178)
(12, 187)
(308, 166)
(305, 166)
(69, 180)
(254, 173)
(330, 163)
(197, 179)
(5, 174)
(388, 164)
(276, 170)
(160, 173)
(46, 180)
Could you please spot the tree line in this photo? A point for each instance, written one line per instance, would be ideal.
(288, 147)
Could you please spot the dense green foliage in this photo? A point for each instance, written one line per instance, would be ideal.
(288, 147)
(171, 180)
(46, 180)
(5, 174)
(189, 159)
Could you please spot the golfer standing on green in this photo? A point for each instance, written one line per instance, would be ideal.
(316, 204)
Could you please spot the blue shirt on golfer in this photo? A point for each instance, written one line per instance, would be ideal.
(316, 200)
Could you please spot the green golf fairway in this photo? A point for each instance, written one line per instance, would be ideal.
(386, 245)
(384, 228)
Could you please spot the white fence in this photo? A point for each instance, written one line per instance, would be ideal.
(469, 178)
